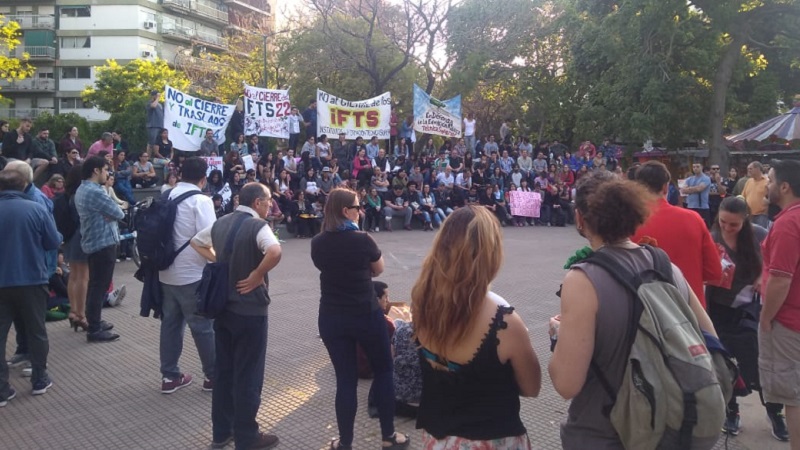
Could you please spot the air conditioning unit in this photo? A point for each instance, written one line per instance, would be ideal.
(147, 54)
(149, 25)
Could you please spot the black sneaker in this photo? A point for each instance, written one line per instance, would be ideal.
(732, 424)
(40, 387)
(779, 430)
(11, 394)
(18, 360)
(102, 336)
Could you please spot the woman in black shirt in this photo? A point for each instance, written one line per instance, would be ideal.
(349, 313)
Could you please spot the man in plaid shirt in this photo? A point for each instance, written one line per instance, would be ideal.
(99, 239)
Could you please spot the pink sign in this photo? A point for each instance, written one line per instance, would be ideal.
(525, 204)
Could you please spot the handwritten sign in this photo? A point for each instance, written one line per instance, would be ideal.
(248, 162)
(525, 204)
(226, 194)
(439, 117)
(365, 118)
(188, 118)
(266, 112)
(214, 163)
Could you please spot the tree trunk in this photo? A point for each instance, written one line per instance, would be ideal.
(718, 151)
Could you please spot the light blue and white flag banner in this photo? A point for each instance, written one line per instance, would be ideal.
(439, 117)
(187, 118)
(266, 112)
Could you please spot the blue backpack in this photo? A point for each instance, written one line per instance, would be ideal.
(155, 231)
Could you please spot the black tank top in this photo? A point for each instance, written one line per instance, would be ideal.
(478, 400)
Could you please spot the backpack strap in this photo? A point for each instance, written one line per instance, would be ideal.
(177, 201)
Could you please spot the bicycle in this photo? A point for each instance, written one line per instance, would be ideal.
(130, 222)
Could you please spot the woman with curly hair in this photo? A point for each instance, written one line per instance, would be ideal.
(596, 309)
(477, 356)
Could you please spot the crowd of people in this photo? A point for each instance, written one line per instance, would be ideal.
(460, 359)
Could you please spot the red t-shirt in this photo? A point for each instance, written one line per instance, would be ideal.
(781, 253)
(683, 235)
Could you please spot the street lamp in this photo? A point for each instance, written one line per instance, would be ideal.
(265, 37)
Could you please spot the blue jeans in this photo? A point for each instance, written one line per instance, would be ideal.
(30, 304)
(340, 333)
(241, 346)
(178, 310)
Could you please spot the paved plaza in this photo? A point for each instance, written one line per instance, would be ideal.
(107, 396)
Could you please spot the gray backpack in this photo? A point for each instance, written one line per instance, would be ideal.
(671, 395)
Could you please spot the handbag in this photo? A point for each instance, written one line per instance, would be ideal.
(212, 292)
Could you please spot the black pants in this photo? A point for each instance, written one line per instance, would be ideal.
(241, 348)
(705, 214)
(29, 303)
(339, 333)
(101, 271)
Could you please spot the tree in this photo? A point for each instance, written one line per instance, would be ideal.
(12, 67)
(123, 90)
(118, 87)
(748, 30)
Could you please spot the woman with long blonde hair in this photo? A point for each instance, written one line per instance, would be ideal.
(477, 356)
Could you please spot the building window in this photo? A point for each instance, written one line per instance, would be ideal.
(74, 103)
(45, 75)
(76, 42)
(76, 11)
(81, 73)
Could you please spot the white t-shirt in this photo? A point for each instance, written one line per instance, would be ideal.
(193, 214)
(469, 127)
(324, 149)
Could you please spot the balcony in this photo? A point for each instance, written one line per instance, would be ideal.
(175, 31)
(21, 113)
(213, 40)
(35, 52)
(29, 85)
(29, 22)
(199, 8)
(259, 6)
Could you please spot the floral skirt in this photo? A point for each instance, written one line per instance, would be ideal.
(458, 443)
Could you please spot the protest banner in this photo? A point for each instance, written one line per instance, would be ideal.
(266, 112)
(365, 118)
(525, 204)
(187, 118)
(227, 195)
(439, 117)
(214, 163)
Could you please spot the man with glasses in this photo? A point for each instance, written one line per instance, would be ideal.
(716, 192)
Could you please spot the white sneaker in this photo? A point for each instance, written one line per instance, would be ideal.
(117, 296)
(377, 229)
(27, 372)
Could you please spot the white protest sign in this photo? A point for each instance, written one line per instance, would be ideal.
(365, 118)
(214, 163)
(525, 204)
(248, 162)
(226, 195)
(266, 112)
(187, 118)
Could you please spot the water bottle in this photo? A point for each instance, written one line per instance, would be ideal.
(126, 236)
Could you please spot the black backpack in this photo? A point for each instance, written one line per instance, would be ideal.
(155, 230)
(66, 222)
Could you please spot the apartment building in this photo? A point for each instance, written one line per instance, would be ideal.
(67, 39)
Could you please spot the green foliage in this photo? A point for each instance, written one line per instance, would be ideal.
(118, 87)
(60, 124)
(12, 68)
(130, 123)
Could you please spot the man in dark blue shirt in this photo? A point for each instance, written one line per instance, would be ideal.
(310, 119)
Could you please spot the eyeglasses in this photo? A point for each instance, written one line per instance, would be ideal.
(74, 152)
(353, 206)
(715, 168)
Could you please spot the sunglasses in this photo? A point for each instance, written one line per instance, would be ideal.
(353, 206)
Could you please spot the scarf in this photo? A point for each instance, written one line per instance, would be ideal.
(348, 225)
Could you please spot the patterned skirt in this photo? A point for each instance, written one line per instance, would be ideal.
(458, 443)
